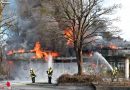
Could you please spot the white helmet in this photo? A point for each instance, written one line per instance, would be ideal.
(31, 69)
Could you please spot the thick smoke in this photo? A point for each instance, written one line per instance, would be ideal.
(32, 21)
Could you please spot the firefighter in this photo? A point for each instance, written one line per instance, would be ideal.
(114, 74)
(49, 72)
(32, 75)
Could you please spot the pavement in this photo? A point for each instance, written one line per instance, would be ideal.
(40, 86)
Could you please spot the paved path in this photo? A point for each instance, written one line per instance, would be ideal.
(43, 86)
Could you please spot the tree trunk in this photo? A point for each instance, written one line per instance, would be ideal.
(79, 61)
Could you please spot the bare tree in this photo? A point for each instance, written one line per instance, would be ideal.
(84, 18)
(6, 25)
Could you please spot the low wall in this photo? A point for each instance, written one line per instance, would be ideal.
(112, 88)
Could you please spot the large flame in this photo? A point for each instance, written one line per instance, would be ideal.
(39, 52)
(42, 54)
(68, 34)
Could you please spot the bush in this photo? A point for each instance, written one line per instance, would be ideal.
(67, 78)
(64, 78)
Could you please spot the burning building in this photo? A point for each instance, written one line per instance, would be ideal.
(30, 22)
(41, 60)
(33, 42)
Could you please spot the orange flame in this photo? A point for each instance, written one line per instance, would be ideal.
(68, 34)
(42, 54)
(21, 51)
(10, 52)
(39, 53)
(112, 46)
(54, 54)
